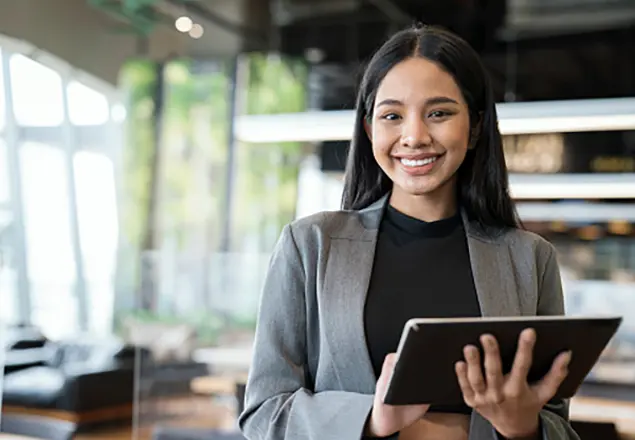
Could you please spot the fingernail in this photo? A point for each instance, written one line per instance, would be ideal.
(568, 357)
(529, 334)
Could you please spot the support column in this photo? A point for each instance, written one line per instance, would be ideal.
(70, 147)
(17, 206)
(150, 245)
(231, 156)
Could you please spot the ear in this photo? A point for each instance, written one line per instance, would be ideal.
(368, 128)
(475, 133)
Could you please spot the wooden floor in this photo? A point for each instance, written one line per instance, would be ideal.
(121, 433)
(191, 412)
(205, 412)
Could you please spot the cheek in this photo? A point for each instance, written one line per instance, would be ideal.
(381, 157)
(382, 145)
(460, 144)
(457, 139)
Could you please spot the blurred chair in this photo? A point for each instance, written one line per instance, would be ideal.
(37, 427)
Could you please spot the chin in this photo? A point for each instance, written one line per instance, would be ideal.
(424, 192)
(421, 189)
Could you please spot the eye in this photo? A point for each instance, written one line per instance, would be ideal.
(439, 114)
(390, 117)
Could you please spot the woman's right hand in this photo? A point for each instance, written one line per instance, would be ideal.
(386, 420)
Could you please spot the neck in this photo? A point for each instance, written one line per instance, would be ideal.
(429, 208)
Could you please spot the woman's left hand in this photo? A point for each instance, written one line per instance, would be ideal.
(508, 402)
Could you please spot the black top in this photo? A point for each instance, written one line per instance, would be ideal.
(421, 270)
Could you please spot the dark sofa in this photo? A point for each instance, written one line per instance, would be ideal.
(23, 348)
(88, 382)
(79, 382)
(16, 360)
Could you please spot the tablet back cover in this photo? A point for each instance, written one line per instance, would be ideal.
(424, 372)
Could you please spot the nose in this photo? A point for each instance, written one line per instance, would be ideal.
(415, 133)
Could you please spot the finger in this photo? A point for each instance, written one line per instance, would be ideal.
(386, 371)
(493, 368)
(474, 370)
(389, 362)
(461, 374)
(389, 365)
(524, 356)
(547, 387)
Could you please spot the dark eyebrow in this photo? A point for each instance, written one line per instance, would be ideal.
(440, 100)
(390, 102)
(430, 101)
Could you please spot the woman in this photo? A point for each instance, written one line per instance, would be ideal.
(427, 229)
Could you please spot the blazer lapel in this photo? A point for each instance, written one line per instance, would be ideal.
(346, 280)
(493, 273)
(347, 276)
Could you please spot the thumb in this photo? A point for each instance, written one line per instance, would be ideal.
(390, 360)
(386, 371)
(389, 365)
(548, 386)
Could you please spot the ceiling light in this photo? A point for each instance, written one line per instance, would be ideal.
(314, 55)
(184, 24)
(197, 31)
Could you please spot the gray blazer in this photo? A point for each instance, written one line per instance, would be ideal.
(311, 375)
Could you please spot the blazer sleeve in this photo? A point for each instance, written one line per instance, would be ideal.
(554, 417)
(279, 401)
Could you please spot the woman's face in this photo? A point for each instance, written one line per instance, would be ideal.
(420, 130)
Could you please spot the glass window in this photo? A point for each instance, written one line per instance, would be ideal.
(86, 106)
(98, 231)
(4, 171)
(48, 239)
(37, 93)
(3, 113)
(118, 113)
(8, 272)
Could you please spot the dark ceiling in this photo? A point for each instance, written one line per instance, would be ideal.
(534, 49)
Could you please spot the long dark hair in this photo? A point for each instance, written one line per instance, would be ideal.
(483, 187)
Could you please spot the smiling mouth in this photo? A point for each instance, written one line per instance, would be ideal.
(413, 163)
(419, 167)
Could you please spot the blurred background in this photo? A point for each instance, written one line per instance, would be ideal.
(152, 150)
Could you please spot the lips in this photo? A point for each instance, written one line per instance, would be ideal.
(418, 162)
(419, 156)
(419, 165)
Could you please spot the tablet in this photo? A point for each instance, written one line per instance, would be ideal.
(429, 348)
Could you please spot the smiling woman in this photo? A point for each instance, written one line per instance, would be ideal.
(425, 94)
(427, 229)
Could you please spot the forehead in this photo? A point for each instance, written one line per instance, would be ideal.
(417, 79)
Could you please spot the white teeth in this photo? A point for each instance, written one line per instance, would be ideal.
(418, 163)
